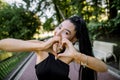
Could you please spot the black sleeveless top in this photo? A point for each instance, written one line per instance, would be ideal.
(51, 69)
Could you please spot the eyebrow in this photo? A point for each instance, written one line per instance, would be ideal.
(66, 29)
(60, 25)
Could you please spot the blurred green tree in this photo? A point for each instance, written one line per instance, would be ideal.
(90, 10)
(18, 22)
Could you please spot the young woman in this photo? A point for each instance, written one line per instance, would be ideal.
(54, 55)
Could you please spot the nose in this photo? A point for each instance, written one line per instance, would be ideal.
(58, 33)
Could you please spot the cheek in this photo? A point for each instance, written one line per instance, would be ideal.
(66, 36)
(55, 31)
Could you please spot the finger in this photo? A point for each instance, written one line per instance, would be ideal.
(60, 55)
(54, 53)
(54, 40)
(55, 47)
(57, 39)
(64, 43)
(67, 42)
(60, 42)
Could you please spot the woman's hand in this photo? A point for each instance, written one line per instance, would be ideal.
(70, 51)
(51, 45)
(57, 47)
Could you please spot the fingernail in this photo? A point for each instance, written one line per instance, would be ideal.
(55, 58)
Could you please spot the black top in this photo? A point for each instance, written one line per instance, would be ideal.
(51, 69)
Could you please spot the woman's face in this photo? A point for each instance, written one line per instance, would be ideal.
(66, 30)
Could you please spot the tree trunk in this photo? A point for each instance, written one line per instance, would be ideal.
(113, 10)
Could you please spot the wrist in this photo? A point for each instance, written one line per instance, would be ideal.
(84, 60)
(77, 57)
(41, 46)
(81, 59)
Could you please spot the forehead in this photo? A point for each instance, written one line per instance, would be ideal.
(68, 25)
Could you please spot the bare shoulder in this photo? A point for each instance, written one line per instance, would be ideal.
(41, 55)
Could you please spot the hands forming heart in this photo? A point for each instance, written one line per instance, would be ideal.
(70, 51)
(56, 44)
(64, 43)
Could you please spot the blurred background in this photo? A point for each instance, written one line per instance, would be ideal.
(36, 19)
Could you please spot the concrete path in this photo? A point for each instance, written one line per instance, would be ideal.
(28, 72)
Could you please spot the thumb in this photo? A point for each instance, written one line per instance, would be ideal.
(54, 53)
(61, 55)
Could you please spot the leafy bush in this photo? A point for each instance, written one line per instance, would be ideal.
(106, 28)
(17, 23)
(4, 55)
(94, 29)
(9, 64)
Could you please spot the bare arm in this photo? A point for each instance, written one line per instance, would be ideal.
(17, 45)
(78, 57)
(10, 44)
(90, 62)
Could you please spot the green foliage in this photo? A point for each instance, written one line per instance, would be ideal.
(94, 29)
(66, 8)
(8, 65)
(113, 26)
(105, 28)
(2, 4)
(89, 10)
(18, 23)
(4, 55)
(48, 25)
(116, 3)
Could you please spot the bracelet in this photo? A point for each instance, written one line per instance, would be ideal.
(86, 61)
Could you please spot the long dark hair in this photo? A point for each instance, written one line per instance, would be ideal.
(85, 47)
